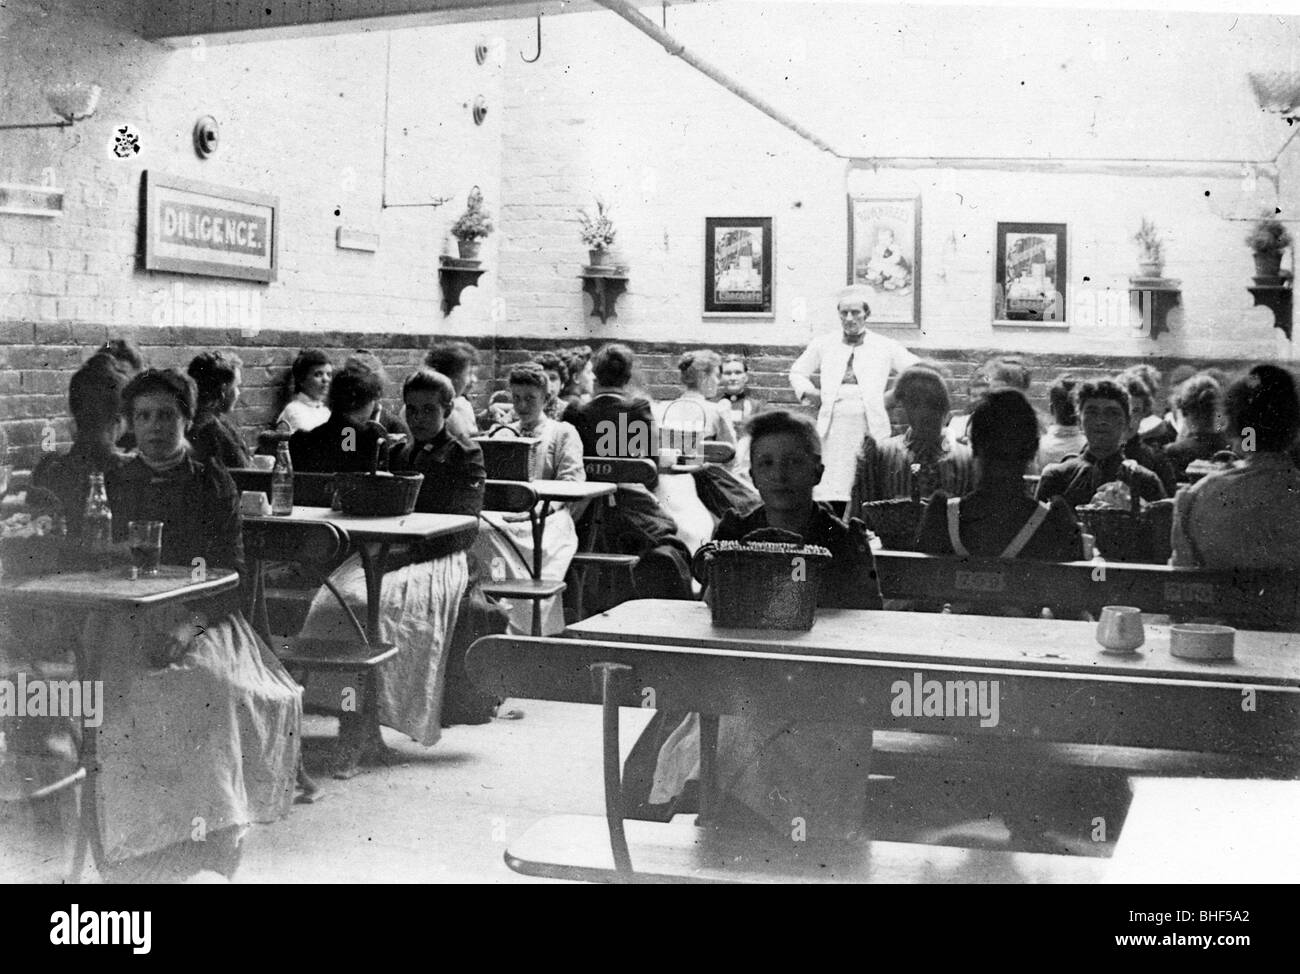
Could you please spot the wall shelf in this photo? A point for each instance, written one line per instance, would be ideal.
(1152, 298)
(454, 275)
(605, 289)
(1274, 294)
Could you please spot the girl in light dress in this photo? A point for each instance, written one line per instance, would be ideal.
(307, 409)
(505, 541)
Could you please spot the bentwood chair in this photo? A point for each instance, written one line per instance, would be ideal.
(592, 554)
(518, 497)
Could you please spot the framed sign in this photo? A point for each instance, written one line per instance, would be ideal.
(885, 255)
(738, 266)
(197, 228)
(1030, 275)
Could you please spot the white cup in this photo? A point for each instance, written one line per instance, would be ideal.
(668, 458)
(263, 462)
(1089, 547)
(1120, 628)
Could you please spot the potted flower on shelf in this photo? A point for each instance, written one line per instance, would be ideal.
(598, 234)
(472, 226)
(1268, 239)
(1151, 248)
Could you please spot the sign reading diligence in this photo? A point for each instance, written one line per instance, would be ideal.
(197, 228)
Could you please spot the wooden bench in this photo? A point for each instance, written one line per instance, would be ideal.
(713, 682)
(1245, 599)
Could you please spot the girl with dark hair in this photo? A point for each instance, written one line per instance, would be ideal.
(95, 400)
(213, 436)
(1248, 516)
(457, 361)
(202, 723)
(307, 409)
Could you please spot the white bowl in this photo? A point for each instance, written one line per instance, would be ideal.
(1193, 640)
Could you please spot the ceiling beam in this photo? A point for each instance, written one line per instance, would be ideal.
(178, 22)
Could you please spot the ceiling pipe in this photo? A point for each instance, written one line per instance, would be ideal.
(677, 49)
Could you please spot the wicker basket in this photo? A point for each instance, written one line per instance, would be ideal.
(377, 495)
(895, 521)
(1124, 536)
(508, 457)
(758, 585)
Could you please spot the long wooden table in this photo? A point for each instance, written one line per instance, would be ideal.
(1054, 682)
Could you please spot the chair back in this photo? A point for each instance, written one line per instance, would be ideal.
(508, 496)
(309, 489)
(715, 451)
(312, 543)
(621, 470)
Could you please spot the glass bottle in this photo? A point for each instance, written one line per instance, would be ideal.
(282, 482)
(97, 525)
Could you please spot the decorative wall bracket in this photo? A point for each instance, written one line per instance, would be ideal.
(1152, 298)
(454, 275)
(1274, 293)
(604, 289)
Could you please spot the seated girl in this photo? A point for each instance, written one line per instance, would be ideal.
(505, 541)
(213, 436)
(423, 586)
(348, 441)
(311, 374)
(771, 772)
(1248, 516)
(997, 519)
(202, 723)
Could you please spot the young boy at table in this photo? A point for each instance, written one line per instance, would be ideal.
(202, 724)
(771, 772)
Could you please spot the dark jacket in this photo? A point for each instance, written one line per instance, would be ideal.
(1077, 479)
(1194, 446)
(453, 473)
(1153, 460)
(198, 505)
(615, 439)
(67, 477)
(216, 438)
(325, 449)
(851, 582)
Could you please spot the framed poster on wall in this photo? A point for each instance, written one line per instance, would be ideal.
(738, 266)
(885, 255)
(1030, 275)
(191, 227)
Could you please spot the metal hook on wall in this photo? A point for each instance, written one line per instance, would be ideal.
(530, 60)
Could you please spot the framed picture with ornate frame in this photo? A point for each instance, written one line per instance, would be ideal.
(885, 255)
(1030, 275)
(738, 267)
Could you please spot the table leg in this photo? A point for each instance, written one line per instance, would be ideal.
(360, 740)
(708, 768)
(539, 529)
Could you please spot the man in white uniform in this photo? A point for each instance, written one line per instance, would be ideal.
(853, 366)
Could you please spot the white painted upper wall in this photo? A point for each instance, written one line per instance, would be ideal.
(608, 111)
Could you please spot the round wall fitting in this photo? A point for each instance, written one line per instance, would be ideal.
(206, 136)
(481, 50)
(480, 110)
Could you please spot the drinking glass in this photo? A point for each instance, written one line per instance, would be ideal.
(146, 545)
